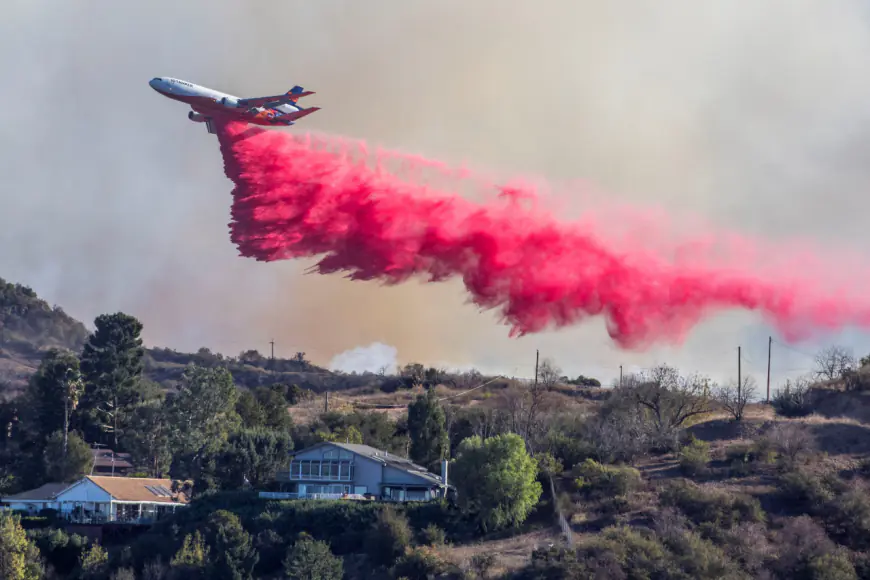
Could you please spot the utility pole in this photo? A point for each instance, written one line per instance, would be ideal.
(769, 348)
(272, 342)
(65, 415)
(326, 404)
(537, 354)
(739, 393)
(620, 375)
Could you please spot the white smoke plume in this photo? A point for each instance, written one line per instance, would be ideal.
(372, 358)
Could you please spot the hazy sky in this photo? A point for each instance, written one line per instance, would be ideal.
(753, 115)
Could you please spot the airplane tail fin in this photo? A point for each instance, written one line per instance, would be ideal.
(296, 93)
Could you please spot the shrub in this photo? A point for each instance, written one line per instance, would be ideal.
(389, 537)
(832, 566)
(481, 564)
(806, 552)
(599, 480)
(123, 574)
(548, 464)
(847, 518)
(804, 491)
(793, 400)
(694, 457)
(61, 550)
(420, 562)
(719, 508)
(570, 449)
(748, 545)
(434, 536)
(622, 553)
(698, 558)
(792, 442)
(310, 559)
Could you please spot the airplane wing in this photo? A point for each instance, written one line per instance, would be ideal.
(290, 96)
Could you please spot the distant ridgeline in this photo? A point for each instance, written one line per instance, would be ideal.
(29, 326)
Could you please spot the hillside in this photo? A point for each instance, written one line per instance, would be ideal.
(29, 326)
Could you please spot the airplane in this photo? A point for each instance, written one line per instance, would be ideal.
(278, 110)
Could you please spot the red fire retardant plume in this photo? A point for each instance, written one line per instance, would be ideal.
(294, 200)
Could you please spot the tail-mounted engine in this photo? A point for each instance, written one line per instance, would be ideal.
(230, 103)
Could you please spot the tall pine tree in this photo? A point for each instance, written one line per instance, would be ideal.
(428, 431)
(111, 365)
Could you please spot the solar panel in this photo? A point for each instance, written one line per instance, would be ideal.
(152, 490)
(165, 491)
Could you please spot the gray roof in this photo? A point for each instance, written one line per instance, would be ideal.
(103, 458)
(387, 458)
(44, 492)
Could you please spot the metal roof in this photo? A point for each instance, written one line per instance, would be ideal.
(384, 457)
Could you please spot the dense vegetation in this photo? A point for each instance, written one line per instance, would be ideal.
(663, 476)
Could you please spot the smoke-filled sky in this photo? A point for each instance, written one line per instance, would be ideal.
(755, 116)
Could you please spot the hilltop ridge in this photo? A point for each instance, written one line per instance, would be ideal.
(29, 326)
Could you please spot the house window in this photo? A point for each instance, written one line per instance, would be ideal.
(324, 470)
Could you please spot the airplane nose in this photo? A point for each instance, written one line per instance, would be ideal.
(154, 83)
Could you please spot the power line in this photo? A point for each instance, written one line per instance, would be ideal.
(793, 349)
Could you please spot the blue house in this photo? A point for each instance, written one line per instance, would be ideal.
(334, 470)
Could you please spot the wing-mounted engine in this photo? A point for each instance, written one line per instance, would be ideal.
(197, 117)
(230, 103)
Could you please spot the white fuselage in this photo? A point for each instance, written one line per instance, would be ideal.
(201, 97)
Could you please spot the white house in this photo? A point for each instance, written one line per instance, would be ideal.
(34, 500)
(102, 499)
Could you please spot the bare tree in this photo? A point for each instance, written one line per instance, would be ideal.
(548, 374)
(548, 377)
(792, 440)
(833, 361)
(670, 398)
(734, 397)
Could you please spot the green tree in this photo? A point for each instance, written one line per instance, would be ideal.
(430, 442)
(191, 560)
(111, 364)
(234, 555)
(201, 415)
(148, 437)
(52, 394)
(69, 466)
(496, 480)
(273, 401)
(95, 563)
(250, 456)
(345, 434)
(264, 407)
(249, 410)
(19, 558)
(309, 559)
